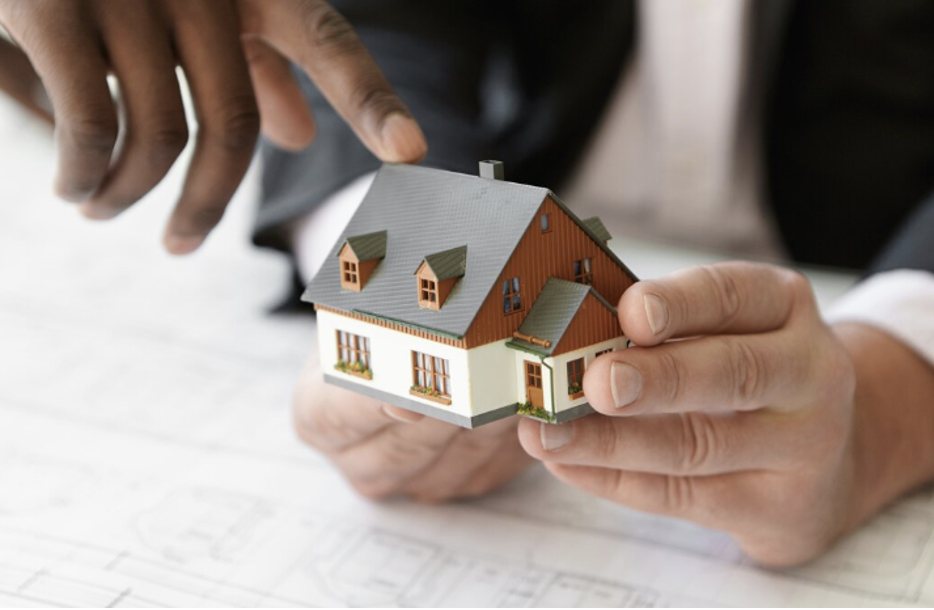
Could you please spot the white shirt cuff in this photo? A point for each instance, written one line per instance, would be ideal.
(313, 236)
(900, 303)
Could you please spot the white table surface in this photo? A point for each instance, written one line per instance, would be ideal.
(146, 454)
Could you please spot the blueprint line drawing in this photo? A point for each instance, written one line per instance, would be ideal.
(147, 456)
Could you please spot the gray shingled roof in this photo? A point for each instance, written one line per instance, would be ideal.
(429, 211)
(553, 312)
(448, 264)
(597, 227)
(367, 247)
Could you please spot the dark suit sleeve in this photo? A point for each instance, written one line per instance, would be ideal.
(523, 82)
(850, 133)
(912, 247)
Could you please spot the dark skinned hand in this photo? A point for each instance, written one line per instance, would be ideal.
(235, 56)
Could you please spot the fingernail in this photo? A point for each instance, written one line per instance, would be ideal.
(96, 212)
(73, 195)
(183, 244)
(402, 140)
(657, 312)
(626, 383)
(555, 436)
(401, 415)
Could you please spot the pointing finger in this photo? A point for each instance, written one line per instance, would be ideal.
(320, 40)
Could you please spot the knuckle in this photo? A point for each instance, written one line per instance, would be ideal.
(236, 125)
(746, 373)
(698, 443)
(795, 279)
(169, 141)
(377, 101)
(727, 292)
(95, 136)
(330, 32)
(798, 285)
(398, 451)
(374, 489)
(834, 375)
(678, 496)
(203, 218)
(605, 442)
(673, 378)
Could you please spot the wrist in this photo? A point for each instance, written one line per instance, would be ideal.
(893, 419)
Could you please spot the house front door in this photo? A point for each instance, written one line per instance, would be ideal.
(533, 384)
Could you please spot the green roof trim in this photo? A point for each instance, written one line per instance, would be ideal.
(528, 348)
(449, 263)
(371, 246)
(597, 227)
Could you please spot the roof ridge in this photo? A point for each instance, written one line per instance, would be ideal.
(459, 175)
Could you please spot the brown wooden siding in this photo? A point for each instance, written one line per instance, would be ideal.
(393, 326)
(538, 257)
(444, 289)
(593, 324)
(366, 270)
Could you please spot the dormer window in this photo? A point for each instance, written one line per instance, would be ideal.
(351, 277)
(437, 274)
(429, 293)
(359, 257)
(546, 223)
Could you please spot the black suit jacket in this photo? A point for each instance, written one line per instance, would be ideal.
(849, 117)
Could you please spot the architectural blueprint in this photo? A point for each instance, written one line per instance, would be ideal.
(147, 457)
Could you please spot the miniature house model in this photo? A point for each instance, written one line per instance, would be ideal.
(467, 298)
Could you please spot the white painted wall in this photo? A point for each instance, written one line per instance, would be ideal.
(481, 378)
(391, 359)
(493, 383)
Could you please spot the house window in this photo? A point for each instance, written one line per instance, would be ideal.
(512, 298)
(582, 272)
(427, 293)
(431, 375)
(546, 226)
(350, 273)
(576, 378)
(600, 353)
(353, 354)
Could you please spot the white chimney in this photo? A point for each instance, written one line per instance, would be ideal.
(492, 170)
